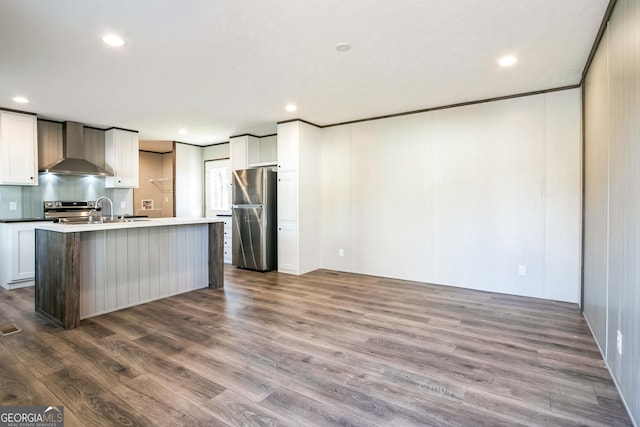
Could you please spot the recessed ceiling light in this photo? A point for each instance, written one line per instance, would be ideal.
(291, 108)
(507, 61)
(343, 47)
(182, 131)
(20, 99)
(113, 40)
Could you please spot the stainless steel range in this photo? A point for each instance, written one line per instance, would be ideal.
(69, 211)
(85, 212)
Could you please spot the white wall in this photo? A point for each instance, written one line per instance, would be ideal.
(612, 200)
(460, 196)
(189, 181)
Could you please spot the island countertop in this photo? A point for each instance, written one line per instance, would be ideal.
(138, 223)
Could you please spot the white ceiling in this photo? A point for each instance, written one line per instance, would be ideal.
(226, 67)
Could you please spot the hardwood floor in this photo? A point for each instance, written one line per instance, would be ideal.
(321, 349)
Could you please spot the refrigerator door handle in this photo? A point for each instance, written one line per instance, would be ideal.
(247, 206)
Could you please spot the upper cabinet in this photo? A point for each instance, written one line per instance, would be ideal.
(288, 142)
(248, 151)
(121, 158)
(239, 152)
(264, 152)
(243, 151)
(18, 149)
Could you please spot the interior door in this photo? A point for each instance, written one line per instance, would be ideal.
(217, 187)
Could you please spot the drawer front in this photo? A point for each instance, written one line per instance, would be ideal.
(227, 254)
(227, 247)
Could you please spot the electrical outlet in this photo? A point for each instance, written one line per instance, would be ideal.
(123, 205)
(619, 342)
(340, 252)
(522, 270)
(13, 206)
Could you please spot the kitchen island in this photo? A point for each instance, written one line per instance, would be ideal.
(83, 270)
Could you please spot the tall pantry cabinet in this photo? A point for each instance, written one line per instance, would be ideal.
(299, 197)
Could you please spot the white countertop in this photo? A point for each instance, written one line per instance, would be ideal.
(151, 222)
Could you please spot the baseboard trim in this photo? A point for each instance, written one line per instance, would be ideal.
(18, 285)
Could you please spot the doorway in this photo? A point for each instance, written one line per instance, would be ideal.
(154, 197)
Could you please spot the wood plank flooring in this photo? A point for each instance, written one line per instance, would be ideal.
(323, 349)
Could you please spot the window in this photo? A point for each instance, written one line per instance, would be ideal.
(218, 187)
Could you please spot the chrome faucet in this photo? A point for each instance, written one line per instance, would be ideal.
(92, 214)
(100, 199)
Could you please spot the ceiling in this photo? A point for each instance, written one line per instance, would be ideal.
(219, 68)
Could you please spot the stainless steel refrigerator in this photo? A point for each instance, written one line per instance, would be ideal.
(254, 213)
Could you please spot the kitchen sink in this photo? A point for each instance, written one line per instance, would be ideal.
(107, 220)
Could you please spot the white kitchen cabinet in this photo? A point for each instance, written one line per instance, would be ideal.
(288, 142)
(263, 153)
(299, 197)
(243, 151)
(17, 254)
(239, 152)
(248, 151)
(288, 247)
(121, 158)
(18, 149)
(228, 242)
(288, 196)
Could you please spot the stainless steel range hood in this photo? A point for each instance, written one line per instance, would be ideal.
(72, 162)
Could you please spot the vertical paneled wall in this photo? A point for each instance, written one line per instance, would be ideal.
(126, 267)
(50, 143)
(461, 196)
(596, 194)
(612, 199)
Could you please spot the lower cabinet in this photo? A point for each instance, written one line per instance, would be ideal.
(227, 239)
(288, 247)
(17, 254)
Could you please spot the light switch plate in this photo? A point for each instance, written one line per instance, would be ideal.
(13, 206)
(123, 205)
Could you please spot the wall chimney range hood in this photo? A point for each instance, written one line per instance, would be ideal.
(72, 162)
